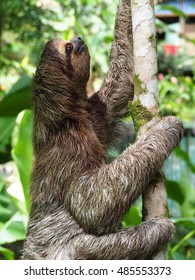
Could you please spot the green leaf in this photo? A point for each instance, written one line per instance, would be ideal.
(175, 191)
(13, 230)
(132, 218)
(174, 10)
(183, 241)
(191, 242)
(4, 200)
(1, 185)
(5, 214)
(22, 150)
(185, 222)
(18, 98)
(178, 256)
(184, 155)
(6, 253)
(6, 127)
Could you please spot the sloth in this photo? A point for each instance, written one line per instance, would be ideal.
(78, 197)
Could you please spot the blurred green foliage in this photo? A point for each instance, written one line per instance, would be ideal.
(177, 96)
(26, 26)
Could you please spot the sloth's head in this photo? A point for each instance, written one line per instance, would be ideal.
(59, 87)
(70, 59)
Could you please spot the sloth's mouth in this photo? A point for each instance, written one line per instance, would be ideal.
(79, 47)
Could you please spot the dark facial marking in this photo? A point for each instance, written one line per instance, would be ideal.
(68, 69)
(69, 48)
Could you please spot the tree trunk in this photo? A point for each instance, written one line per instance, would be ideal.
(146, 104)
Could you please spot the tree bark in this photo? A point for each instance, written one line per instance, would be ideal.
(146, 100)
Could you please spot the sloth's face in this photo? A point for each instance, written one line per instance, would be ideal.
(76, 56)
(73, 47)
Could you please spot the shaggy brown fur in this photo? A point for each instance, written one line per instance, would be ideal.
(78, 199)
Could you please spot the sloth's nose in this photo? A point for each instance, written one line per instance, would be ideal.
(77, 40)
(78, 44)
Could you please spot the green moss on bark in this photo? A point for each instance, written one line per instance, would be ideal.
(139, 113)
(167, 214)
(138, 85)
(152, 39)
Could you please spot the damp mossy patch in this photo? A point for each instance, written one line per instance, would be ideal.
(139, 113)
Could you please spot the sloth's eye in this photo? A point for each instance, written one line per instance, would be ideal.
(69, 47)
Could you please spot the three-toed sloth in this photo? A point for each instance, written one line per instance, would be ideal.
(78, 198)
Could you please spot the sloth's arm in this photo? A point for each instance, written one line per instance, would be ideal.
(117, 88)
(101, 197)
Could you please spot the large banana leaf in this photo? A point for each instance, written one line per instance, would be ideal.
(17, 99)
(22, 150)
(12, 230)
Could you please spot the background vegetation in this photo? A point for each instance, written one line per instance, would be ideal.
(26, 25)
